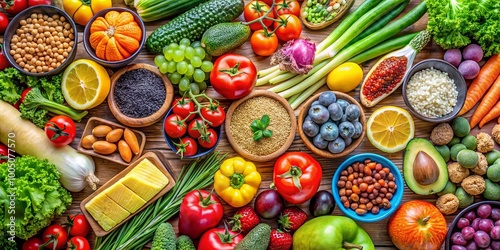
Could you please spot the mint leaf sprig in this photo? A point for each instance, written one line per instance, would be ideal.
(259, 130)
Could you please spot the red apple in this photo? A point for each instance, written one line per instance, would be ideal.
(417, 224)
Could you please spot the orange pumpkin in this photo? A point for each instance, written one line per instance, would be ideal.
(116, 36)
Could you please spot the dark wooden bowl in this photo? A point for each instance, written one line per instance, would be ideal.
(144, 121)
(317, 26)
(322, 152)
(240, 150)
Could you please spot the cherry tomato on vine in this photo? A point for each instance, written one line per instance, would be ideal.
(216, 115)
(38, 2)
(268, 2)
(4, 63)
(195, 126)
(60, 130)
(78, 243)
(209, 139)
(174, 126)
(287, 7)
(289, 27)
(32, 244)
(263, 42)
(186, 147)
(257, 9)
(4, 22)
(15, 6)
(182, 106)
(57, 234)
(78, 225)
(4, 153)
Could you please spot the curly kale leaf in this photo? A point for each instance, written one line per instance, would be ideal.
(11, 84)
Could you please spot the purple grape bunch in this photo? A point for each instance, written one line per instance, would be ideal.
(479, 229)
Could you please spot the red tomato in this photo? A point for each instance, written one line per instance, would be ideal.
(268, 2)
(264, 43)
(219, 239)
(294, 166)
(287, 7)
(233, 76)
(257, 9)
(4, 22)
(60, 130)
(4, 153)
(215, 114)
(38, 2)
(32, 244)
(78, 243)
(4, 63)
(15, 7)
(195, 126)
(209, 139)
(182, 106)
(78, 225)
(289, 27)
(174, 126)
(57, 235)
(186, 147)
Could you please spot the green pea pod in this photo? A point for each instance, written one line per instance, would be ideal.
(331, 232)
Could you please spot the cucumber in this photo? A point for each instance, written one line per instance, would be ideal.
(192, 23)
(223, 37)
(257, 239)
(185, 243)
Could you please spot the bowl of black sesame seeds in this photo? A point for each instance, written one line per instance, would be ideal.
(140, 95)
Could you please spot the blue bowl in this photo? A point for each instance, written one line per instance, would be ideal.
(201, 150)
(397, 196)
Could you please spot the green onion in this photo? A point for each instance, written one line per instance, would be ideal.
(139, 230)
(295, 103)
(151, 10)
(362, 45)
(383, 48)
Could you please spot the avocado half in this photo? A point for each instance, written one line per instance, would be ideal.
(424, 169)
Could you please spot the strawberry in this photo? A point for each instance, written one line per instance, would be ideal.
(292, 218)
(280, 240)
(244, 220)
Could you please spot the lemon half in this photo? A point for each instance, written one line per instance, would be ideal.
(390, 128)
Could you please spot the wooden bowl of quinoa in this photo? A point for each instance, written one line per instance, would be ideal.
(243, 112)
(434, 90)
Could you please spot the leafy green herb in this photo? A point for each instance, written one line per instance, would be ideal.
(259, 128)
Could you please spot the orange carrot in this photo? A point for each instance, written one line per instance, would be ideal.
(487, 75)
(494, 112)
(487, 103)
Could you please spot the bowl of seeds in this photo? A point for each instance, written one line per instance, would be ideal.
(140, 95)
(261, 126)
(40, 41)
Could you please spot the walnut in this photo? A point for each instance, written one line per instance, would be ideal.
(484, 143)
(482, 165)
(495, 132)
(447, 204)
(473, 184)
(442, 134)
(457, 173)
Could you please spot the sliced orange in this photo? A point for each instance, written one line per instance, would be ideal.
(390, 128)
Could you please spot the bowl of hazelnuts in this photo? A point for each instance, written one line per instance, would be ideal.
(40, 41)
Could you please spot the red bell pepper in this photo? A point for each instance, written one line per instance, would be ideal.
(219, 239)
(200, 211)
(297, 176)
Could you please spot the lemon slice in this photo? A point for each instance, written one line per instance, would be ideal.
(85, 84)
(390, 128)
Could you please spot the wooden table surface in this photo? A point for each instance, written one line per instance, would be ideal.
(105, 170)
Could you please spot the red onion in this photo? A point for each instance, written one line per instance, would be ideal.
(296, 56)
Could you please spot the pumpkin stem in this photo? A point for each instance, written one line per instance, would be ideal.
(348, 245)
(110, 31)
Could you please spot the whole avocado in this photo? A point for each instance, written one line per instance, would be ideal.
(331, 232)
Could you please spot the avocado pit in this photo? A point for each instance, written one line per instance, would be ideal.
(425, 169)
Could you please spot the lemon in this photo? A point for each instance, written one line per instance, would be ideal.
(85, 84)
(345, 77)
(390, 128)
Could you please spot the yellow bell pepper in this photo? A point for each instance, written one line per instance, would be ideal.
(83, 10)
(237, 181)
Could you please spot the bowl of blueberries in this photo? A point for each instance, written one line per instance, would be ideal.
(332, 124)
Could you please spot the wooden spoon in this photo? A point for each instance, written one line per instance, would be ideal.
(316, 26)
